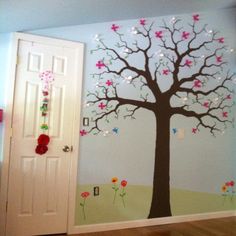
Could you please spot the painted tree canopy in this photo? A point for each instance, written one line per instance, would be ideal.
(176, 67)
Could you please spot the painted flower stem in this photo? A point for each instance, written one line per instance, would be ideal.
(114, 199)
(122, 196)
(83, 210)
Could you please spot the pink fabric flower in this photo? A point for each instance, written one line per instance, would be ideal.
(83, 132)
(206, 104)
(188, 63)
(196, 17)
(115, 27)
(219, 59)
(101, 105)
(185, 35)
(197, 83)
(194, 130)
(142, 21)
(165, 72)
(109, 82)
(159, 34)
(221, 40)
(100, 64)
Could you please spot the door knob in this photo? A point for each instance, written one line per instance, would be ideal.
(66, 148)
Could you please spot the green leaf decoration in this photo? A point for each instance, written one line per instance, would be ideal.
(81, 204)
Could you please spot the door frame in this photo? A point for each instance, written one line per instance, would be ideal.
(79, 48)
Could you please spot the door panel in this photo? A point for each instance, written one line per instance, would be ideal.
(38, 184)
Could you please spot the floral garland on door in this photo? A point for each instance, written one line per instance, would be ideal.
(43, 140)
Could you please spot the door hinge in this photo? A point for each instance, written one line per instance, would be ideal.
(6, 205)
(17, 59)
(11, 132)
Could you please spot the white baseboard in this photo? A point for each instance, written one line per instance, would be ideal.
(149, 222)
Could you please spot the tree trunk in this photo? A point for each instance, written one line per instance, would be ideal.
(160, 205)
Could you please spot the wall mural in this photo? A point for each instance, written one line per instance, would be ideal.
(183, 72)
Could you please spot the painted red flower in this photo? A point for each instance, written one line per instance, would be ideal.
(231, 183)
(123, 183)
(43, 139)
(85, 194)
(227, 184)
(41, 149)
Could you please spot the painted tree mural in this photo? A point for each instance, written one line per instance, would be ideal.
(177, 68)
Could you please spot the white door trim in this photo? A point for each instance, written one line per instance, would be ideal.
(79, 48)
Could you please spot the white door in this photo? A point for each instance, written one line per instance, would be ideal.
(39, 184)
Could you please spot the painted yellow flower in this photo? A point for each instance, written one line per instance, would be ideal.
(224, 188)
(114, 179)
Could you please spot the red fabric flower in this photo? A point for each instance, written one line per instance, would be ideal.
(85, 194)
(123, 183)
(43, 139)
(41, 149)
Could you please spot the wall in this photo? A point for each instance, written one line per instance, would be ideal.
(199, 164)
(5, 63)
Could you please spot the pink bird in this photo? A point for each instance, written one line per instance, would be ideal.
(159, 34)
(194, 130)
(101, 105)
(115, 27)
(197, 83)
(206, 104)
(188, 63)
(165, 72)
(100, 64)
(229, 97)
(142, 21)
(225, 114)
(109, 82)
(196, 17)
(83, 132)
(221, 40)
(219, 59)
(185, 35)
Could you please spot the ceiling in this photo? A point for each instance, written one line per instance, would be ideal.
(25, 15)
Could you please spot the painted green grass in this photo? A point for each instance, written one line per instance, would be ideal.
(100, 209)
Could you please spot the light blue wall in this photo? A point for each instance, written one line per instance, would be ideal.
(196, 162)
(220, 167)
(5, 41)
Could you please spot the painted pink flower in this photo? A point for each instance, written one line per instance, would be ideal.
(101, 105)
(109, 82)
(194, 130)
(185, 35)
(206, 104)
(159, 34)
(100, 64)
(123, 183)
(225, 114)
(196, 17)
(197, 83)
(115, 27)
(229, 97)
(165, 72)
(188, 63)
(221, 40)
(219, 59)
(83, 132)
(85, 194)
(142, 21)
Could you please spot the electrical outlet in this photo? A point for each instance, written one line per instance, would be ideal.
(85, 121)
(96, 191)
